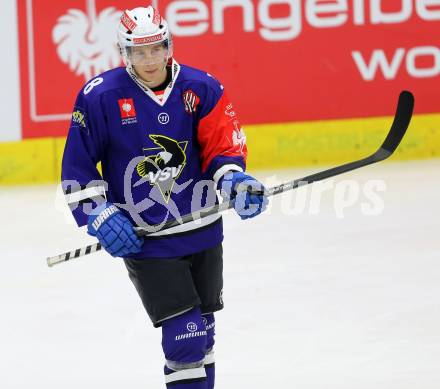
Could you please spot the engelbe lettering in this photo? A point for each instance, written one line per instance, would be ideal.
(197, 17)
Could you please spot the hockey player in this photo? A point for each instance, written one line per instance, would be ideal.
(167, 137)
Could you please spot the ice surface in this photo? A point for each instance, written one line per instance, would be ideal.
(313, 300)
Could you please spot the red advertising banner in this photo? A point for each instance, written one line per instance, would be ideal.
(280, 60)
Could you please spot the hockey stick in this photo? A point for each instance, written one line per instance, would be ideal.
(400, 124)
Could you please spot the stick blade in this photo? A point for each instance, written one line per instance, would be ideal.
(401, 122)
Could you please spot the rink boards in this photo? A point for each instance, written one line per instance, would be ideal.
(271, 146)
(301, 114)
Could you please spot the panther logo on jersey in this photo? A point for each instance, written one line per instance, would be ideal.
(163, 168)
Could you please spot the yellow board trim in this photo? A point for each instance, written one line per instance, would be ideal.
(30, 161)
(271, 146)
(337, 141)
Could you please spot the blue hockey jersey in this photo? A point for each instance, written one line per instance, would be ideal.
(161, 158)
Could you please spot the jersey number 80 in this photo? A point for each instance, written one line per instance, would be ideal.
(92, 84)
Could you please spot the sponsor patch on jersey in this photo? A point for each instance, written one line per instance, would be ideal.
(163, 118)
(238, 137)
(128, 111)
(78, 118)
(164, 164)
(230, 111)
(191, 101)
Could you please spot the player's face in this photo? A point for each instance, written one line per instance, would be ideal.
(148, 55)
(149, 61)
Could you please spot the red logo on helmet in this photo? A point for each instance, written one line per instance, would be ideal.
(147, 39)
(156, 17)
(126, 107)
(191, 101)
(128, 22)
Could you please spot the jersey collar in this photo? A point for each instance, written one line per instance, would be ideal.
(175, 70)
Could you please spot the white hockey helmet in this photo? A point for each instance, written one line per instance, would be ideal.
(143, 27)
